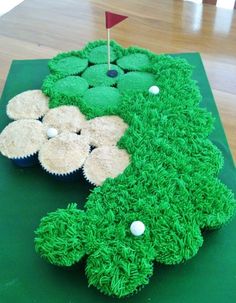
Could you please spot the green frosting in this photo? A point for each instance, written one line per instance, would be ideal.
(70, 65)
(99, 54)
(101, 101)
(135, 62)
(71, 86)
(63, 235)
(136, 81)
(171, 184)
(64, 91)
(96, 75)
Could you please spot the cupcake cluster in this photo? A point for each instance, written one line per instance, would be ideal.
(62, 140)
(156, 209)
(81, 78)
(106, 159)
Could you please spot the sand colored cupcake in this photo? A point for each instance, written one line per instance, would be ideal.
(21, 140)
(104, 131)
(105, 162)
(64, 118)
(64, 154)
(31, 104)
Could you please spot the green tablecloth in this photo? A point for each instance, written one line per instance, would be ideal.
(28, 194)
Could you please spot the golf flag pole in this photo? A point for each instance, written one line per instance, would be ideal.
(111, 20)
(108, 49)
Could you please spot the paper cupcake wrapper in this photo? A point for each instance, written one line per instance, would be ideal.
(87, 179)
(70, 176)
(26, 161)
(67, 176)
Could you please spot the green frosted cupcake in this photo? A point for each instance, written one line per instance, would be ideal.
(96, 75)
(99, 55)
(70, 86)
(68, 65)
(101, 100)
(136, 82)
(58, 238)
(134, 62)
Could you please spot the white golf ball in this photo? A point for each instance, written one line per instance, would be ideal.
(52, 132)
(154, 90)
(137, 228)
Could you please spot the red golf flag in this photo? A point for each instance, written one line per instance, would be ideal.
(113, 19)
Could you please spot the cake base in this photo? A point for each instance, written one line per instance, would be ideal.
(28, 194)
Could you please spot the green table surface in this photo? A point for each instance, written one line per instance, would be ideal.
(26, 195)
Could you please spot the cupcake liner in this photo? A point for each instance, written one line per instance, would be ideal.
(68, 177)
(54, 159)
(104, 153)
(87, 179)
(65, 177)
(26, 161)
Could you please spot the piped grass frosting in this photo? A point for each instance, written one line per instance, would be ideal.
(63, 236)
(64, 154)
(120, 278)
(104, 131)
(96, 75)
(105, 162)
(32, 104)
(64, 118)
(171, 184)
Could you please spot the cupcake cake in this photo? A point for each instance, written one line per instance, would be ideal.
(155, 209)
(31, 104)
(105, 162)
(64, 118)
(21, 140)
(63, 155)
(104, 131)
